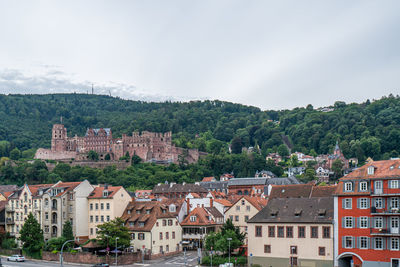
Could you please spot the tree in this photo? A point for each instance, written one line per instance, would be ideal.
(32, 237)
(15, 154)
(92, 155)
(107, 157)
(236, 145)
(283, 151)
(309, 175)
(67, 233)
(337, 168)
(109, 231)
(218, 241)
(136, 159)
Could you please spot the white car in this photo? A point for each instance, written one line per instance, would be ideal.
(16, 258)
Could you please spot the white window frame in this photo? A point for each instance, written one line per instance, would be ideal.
(378, 222)
(362, 185)
(380, 201)
(394, 203)
(394, 184)
(370, 170)
(348, 186)
(396, 241)
(346, 238)
(378, 240)
(365, 239)
(348, 222)
(364, 222)
(363, 203)
(348, 203)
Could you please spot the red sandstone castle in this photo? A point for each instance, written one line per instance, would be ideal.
(149, 146)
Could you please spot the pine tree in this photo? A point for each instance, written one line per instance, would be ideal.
(32, 237)
(67, 233)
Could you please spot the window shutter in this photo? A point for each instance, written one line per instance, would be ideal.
(368, 223)
(384, 222)
(383, 203)
(343, 225)
(358, 242)
(353, 245)
(358, 203)
(358, 223)
(368, 242)
(368, 205)
(372, 243)
(384, 242)
(343, 203)
(353, 222)
(343, 241)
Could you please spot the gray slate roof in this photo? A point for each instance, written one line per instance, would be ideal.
(285, 209)
(247, 181)
(178, 188)
(283, 181)
(8, 188)
(217, 185)
(96, 131)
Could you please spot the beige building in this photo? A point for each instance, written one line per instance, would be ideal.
(244, 209)
(292, 232)
(106, 203)
(64, 202)
(153, 227)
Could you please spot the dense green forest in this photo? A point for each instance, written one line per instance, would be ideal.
(369, 129)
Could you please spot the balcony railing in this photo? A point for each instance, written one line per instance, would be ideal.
(54, 207)
(53, 234)
(386, 192)
(10, 220)
(54, 221)
(385, 231)
(393, 212)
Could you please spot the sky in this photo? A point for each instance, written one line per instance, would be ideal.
(269, 54)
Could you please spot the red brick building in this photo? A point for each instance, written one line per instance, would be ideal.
(367, 216)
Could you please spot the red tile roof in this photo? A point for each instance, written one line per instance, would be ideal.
(98, 191)
(208, 179)
(202, 218)
(224, 202)
(383, 169)
(258, 202)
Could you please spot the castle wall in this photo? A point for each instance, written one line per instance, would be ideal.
(42, 153)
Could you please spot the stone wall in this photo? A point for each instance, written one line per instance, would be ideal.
(43, 153)
(89, 258)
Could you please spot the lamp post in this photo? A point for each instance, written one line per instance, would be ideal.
(62, 248)
(229, 245)
(116, 250)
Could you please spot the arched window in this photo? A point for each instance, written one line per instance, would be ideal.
(54, 206)
(26, 197)
(240, 192)
(25, 210)
(246, 192)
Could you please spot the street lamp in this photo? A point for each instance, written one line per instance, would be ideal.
(116, 250)
(229, 244)
(62, 248)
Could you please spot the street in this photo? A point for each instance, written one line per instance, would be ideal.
(29, 263)
(178, 260)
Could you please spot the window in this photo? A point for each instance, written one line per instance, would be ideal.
(161, 236)
(363, 222)
(394, 243)
(91, 231)
(102, 218)
(192, 218)
(141, 236)
(133, 236)
(169, 222)
(173, 235)
(314, 231)
(363, 186)
(301, 231)
(243, 202)
(394, 203)
(378, 243)
(46, 228)
(161, 249)
(248, 208)
(326, 232)
(267, 248)
(348, 186)
(363, 203)
(258, 231)
(378, 203)
(246, 218)
(293, 261)
(97, 206)
(281, 231)
(231, 218)
(348, 242)
(271, 231)
(321, 251)
(237, 208)
(91, 218)
(237, 218)
(363, 242)
(108, 218)
(102, 206)
(289, 232)
(97, 218)
(348, 222)
(394, 184)
(293, 249)
(347, 203)
(166, 235)
(46, 215)
(70, 208)
(370, 170)
(378, 222)
(107, 206)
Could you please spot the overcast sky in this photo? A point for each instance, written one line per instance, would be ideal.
(270, 54)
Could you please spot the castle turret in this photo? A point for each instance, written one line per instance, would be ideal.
(59, 138)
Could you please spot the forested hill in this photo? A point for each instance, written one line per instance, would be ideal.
(366, 129)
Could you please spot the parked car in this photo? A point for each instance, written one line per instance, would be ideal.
(101, 265)
(16, 258)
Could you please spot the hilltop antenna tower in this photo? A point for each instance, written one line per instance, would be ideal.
(92, 89)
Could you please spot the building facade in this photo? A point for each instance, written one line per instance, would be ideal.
(367, 215)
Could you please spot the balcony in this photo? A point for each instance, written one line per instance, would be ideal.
(390, 212)
(54, 221)
(53, 234)
(10, 221)
(386, 192)
(54, 207)
(385, 232)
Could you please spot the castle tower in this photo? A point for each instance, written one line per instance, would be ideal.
(59, 138)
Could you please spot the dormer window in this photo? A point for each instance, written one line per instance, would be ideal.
(370, 170)
(129, 211)
(297, 212)
(105, 193)
(321, 212)
(274, 213)
(141, 224)
(348, 186)
(137, 211)
(192, 218)
(147, 211)
(172, 208)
